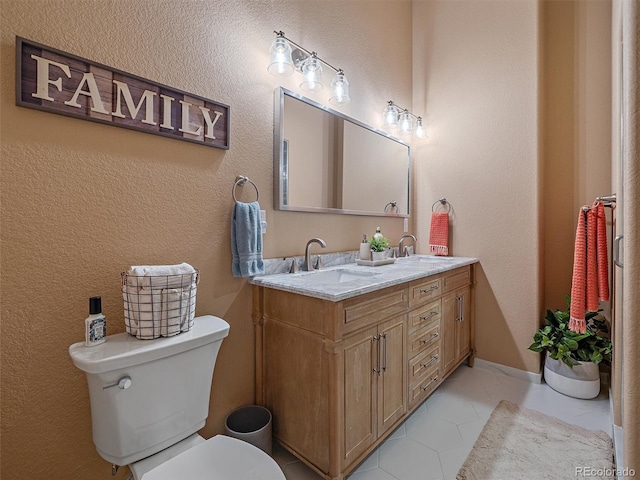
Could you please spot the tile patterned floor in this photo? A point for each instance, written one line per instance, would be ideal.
(434, 441)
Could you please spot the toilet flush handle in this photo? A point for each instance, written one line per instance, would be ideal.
(123, 383)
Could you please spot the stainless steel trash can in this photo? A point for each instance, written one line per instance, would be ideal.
(252, 424)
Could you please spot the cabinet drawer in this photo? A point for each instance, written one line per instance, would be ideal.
(374, 308)
(423, 339)
(423, 389)
(425, 291)
(424, 316)
(457, 278)
(423, 363)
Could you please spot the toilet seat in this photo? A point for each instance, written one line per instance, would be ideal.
(219, 458)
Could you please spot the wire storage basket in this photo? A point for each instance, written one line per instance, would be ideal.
(159, 306)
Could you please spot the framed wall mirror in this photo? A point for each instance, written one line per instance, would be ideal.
(327, 162)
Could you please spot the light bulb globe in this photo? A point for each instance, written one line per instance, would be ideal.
(312, 72)
(421, 131)
(406, 122)
(339, 89)
(281, 62)
(390, 117)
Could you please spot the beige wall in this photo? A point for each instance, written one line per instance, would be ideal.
(82, 201)
(517, 101)
(577, 132)
(475, 76)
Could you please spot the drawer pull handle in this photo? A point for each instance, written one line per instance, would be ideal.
(426, 387)
(429, 290)
(430, 362)
(427, 317)
(431, 337)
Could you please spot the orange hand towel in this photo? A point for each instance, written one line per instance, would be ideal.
(577, 311)
(439, 234)
(592, 262)
(601, 253)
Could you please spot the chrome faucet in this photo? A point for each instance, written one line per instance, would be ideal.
(402, 250)
(308, 264)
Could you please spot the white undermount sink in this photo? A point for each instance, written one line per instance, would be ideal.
(335, 276)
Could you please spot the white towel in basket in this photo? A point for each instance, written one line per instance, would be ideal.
(171, 276)
(144, 305)
(176, 306)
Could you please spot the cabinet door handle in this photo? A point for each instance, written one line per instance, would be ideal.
(430, 362)
(462, 308)
(429, 290)
(458, 308)
(384, 356)
(376, 338)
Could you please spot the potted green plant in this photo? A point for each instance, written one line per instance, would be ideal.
(572, 360)
(379, 246)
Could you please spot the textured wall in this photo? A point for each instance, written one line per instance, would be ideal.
(83, 201)
(477, 79)
(517, 96)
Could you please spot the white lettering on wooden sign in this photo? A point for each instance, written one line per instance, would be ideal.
(59, 82)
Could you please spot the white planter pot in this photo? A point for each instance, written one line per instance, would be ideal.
(378, 255)
(581, 381)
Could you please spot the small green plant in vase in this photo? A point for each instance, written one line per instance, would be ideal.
(379, 244)
(570, 347)
(572, 359)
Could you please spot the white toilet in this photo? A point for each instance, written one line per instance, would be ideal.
(150, 397)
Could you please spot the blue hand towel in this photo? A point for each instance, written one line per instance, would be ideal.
(246, 240)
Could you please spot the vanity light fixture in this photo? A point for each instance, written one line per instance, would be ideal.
(284, 60)
(396, 117)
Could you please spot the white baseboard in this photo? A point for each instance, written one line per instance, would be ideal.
(512, 372)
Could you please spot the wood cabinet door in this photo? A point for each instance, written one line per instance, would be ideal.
(392, 382)
(448, 323)
(360, 366)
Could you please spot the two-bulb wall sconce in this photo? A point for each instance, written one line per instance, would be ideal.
(285, 60)
(396, 117)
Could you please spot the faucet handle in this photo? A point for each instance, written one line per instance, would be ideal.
(294, 266)
(319, 264)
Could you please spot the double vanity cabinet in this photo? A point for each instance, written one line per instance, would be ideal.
(340, 371)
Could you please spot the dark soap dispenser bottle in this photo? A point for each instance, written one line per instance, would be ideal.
(95, 324)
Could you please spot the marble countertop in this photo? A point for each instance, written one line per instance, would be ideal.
(350, 279)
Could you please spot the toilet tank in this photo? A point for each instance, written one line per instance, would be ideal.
(147, 395)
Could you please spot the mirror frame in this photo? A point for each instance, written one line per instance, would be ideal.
(279, 158)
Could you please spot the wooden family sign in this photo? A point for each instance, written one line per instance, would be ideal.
(58, 82)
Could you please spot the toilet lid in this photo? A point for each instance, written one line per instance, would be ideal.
(219, 458)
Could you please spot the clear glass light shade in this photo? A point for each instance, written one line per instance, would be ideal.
(312, 73)
(406, 122)
(390, 117)
(420, 132)
(339, 89)
(281, 62)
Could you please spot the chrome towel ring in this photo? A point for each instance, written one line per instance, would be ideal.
(240, 181)
(443, 202)
(393, 204)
